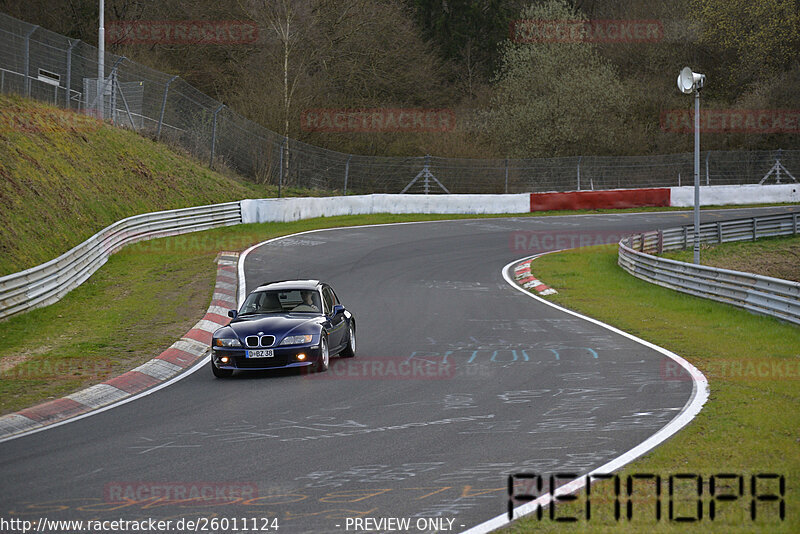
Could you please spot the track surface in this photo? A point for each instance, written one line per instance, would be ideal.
(529, 388)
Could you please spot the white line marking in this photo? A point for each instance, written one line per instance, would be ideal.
(689, 411)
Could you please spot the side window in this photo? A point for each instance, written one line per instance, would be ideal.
(327, 298)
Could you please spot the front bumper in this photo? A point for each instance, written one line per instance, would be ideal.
(284, 357)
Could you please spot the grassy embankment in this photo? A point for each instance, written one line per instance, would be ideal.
(64, 176)
(751, 423)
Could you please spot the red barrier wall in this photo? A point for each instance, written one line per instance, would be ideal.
(587, 200)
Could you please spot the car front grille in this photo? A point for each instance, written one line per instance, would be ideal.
(259, 341)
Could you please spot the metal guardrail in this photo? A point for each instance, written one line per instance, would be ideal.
(753, 292)
(49, 282)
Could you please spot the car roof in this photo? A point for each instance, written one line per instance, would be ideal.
(289, 284)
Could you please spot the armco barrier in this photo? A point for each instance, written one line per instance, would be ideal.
(756, 293)
(49, 282)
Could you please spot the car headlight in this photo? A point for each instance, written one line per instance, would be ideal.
(224, 342)
(297, 340)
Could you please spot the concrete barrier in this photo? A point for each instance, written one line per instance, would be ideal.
(294, 209)
(721, 195)
(587, 200)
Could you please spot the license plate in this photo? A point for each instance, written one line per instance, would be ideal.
(267, 353)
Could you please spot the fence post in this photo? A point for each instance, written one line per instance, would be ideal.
(347, 172)
(708, 155)
(506, 188)
(579, 172)
(163, 107)
(69, 70)
(28, 60)
(214, 135)
(280, 168)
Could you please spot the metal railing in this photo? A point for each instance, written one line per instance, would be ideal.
(49, 282)
(753, 292)
(168, 108)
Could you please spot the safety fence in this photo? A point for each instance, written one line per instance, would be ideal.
(753, 292)
(49, 282)
(47, 66)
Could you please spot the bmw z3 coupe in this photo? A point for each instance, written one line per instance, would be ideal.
(291, 323)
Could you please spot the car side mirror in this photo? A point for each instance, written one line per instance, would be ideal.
(337, 309)
(233, 314)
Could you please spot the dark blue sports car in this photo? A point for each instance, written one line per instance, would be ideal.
(292, 323)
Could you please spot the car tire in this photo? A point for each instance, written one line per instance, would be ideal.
(324, 356)
(350, 349)
(220, 373)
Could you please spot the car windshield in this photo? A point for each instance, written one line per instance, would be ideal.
(285, 301)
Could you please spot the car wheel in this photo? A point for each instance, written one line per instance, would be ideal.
(324, 357)
(350, 350)
(220, 373)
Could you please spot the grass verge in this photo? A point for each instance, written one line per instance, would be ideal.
(750, 425)
(778, 257)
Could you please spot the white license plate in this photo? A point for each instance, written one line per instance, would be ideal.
(267, 353)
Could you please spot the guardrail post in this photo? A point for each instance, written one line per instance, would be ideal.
(347, 172)
(163, 107)
(28, 60)
(506, 188)
(660, 241)
(755, 228)
(69, 71)
(794, 223)
(685, 236)
(719, 232)
(214, 135)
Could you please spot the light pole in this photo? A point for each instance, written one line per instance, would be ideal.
(692, 82)
(101, 61)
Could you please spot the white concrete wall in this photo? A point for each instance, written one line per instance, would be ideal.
(720, 195)
(293, 209)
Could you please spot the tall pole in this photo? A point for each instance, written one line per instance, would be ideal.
(101, 59)
(697, 176)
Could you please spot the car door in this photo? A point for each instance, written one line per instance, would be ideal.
(338, 329)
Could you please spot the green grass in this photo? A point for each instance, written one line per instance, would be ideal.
(778, 257)
(65, 176)
(750, 425)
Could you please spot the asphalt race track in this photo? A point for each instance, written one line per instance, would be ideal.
(459, 380)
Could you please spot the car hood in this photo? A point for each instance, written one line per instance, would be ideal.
(277, 325)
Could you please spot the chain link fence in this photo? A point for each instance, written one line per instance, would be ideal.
(40, 64)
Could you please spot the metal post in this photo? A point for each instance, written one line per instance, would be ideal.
(347, 172)
(708, 154)
(69, 71)
(697, 177)
(163, 107)
(579, 172)
(28, 60)
(214, 135)
(506, 189)
(280, 168)
(101, 58)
